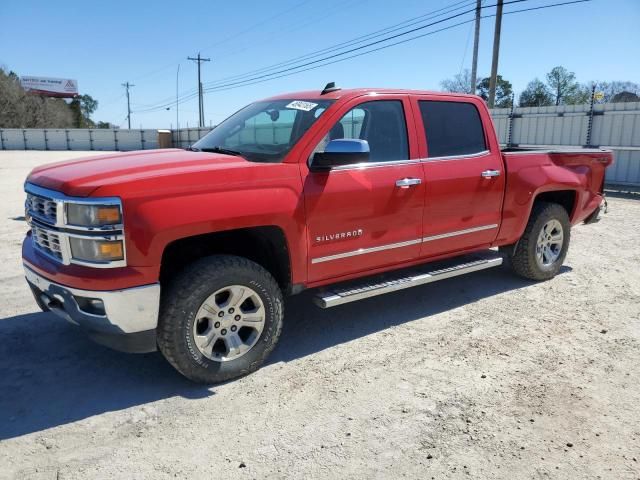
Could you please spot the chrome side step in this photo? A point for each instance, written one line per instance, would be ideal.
(433, 272)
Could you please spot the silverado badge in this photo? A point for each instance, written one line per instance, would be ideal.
(339, 236)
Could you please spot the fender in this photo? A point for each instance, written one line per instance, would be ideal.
(528, 176)
(194, 206)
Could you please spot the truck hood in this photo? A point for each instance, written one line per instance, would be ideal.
(81, 177)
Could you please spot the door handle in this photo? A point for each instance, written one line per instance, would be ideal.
(490, 173)
(408, 182)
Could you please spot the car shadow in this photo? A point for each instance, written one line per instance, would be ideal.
(309, 329)
(52, 374)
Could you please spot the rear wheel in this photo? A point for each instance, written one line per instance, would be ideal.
(543, 246)
(220, 319)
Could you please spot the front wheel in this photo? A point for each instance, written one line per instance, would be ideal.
(543, 246)
(220, 318)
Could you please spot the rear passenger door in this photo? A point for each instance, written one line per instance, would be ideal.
(464, 176)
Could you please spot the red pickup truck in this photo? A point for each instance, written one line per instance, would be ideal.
(353, 193)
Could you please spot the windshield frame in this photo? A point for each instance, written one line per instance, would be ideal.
(265, 152)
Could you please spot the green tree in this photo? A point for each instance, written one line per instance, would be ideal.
(537, 94)
(504, 90)
(82, 107)
(564, 86)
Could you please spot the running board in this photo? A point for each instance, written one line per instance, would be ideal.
(391, 282)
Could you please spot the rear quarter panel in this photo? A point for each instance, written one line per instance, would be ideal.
(532, 173)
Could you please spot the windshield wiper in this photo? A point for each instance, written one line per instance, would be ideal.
(218, 149)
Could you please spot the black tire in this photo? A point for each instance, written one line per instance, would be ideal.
(184, 296)
(523, 261)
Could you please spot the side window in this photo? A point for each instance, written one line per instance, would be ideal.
(452, 128)
(381, 123)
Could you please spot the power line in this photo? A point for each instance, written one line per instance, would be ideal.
(377, 42)
(354, 41)
(299, 68)
(409, 22)
(338, 47)
(218, 88)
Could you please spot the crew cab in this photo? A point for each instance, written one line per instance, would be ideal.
(352, 193)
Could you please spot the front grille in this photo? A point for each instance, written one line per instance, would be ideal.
(47, 241)
(42, 208)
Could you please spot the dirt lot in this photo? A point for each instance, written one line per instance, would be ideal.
(484, 376)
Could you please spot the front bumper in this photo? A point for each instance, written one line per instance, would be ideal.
(125, 319)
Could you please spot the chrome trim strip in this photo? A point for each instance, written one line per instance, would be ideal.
(363, 251)
(459, 232)
(456, 157)
(366, 165)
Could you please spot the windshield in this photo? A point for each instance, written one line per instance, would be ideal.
(264, 131)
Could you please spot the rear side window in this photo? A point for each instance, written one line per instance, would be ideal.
(452, 128)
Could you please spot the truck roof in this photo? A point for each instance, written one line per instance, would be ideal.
(348, 93)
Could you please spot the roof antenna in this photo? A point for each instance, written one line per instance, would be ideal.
(330, 87)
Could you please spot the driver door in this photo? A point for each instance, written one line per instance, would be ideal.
(366, 216)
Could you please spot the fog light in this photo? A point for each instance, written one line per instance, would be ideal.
(94, 306)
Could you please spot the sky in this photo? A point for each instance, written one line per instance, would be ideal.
(104, 44)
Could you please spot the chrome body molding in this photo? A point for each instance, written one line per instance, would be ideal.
(363, 251)
(365, 165)
(126, 311)
(457, 157)
(460, 232)
(380, 248)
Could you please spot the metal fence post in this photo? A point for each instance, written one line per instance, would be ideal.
(66, 136)
(590, 122)
(46, 140)
(115, 139)
(142, 138)
(188, 136)
(24, 137)
(90, 140)
(511, 117)
(1, 140)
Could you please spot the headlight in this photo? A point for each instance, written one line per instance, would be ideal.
(97, 251)
(84, 215)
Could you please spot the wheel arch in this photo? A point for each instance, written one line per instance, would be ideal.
(265, 245)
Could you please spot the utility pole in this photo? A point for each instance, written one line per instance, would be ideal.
(199, 60)
(127, 86)
(476, 41)
(496, 52)
(177, 113)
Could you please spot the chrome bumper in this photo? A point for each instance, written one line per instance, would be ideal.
(105, 314)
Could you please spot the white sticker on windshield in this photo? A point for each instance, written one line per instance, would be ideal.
(301, 105)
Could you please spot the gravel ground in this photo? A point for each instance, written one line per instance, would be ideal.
(483, 376)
